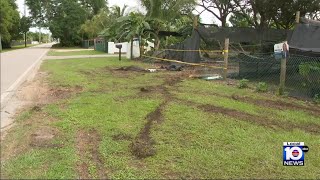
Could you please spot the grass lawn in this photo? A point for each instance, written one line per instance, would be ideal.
(18, 47)
(104, 123)
(74, 53)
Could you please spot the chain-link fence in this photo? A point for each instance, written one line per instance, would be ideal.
(302, 72)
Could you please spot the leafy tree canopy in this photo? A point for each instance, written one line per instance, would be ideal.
(9, 21)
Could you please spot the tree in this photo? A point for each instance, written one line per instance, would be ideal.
(40, 11)
(224, 7)
(133, 26)
(237, 20)
(168, 10)
(162, 12)
(66, 20)
(93, 6)
(117, 12)
(91, 28)
(25, 24)
(64, 17)
(9, 22)
(263, 14)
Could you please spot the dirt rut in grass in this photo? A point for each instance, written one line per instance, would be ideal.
(315, 111)
(88, 152)
(259, 120)
(143, 144)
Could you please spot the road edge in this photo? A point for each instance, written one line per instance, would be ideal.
(6, 96)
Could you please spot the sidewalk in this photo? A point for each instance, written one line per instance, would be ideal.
(81, 56)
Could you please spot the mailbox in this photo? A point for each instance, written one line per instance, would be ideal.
(281, 50)
(119, 46)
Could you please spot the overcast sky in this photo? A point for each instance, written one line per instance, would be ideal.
(206, 17)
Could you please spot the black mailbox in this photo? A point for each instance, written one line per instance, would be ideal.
(119, 46)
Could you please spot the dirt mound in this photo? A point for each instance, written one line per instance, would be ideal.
(87, 144)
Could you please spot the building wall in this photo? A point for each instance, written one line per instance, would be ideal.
(112, 47)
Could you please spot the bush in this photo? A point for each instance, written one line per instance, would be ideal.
(262, 87)
(316, 98)
(243, 83)
(310, 71)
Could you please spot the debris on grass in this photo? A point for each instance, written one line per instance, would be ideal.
(132, 68)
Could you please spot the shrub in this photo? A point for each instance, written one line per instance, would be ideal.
(316, 98)
(262, 87)
(243, 83)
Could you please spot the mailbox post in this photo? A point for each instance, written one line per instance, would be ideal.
(119, 46)
(281, 51)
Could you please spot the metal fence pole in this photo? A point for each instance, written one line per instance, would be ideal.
(225, 55)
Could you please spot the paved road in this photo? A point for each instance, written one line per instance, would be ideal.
(15, 66)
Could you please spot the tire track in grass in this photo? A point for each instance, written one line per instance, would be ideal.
(143, 144)
(259, 120)
(87, 143)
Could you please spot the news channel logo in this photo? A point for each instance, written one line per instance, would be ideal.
(294, 153)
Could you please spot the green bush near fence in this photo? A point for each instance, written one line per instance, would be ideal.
(243, 83)
(262, 87)
(310, 71)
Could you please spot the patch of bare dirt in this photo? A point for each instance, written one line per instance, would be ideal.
(38, 91)
(43, 137)
(87, 144)
(35, 133)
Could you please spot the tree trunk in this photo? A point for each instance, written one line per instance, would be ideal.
(140, 46)
(25, 39)
(131, 49)
(223, 22)
(39, 35)
(157, 43)
(0, 43)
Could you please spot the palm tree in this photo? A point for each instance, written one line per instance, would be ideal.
(135, 25)
(162, 12)
(117, 12)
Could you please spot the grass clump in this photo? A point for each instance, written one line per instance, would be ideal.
(243, 83)
(316, 98)
(262, 87)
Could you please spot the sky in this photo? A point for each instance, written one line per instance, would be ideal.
(205, 17)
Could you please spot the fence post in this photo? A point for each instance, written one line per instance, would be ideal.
(283, 75)
(297, 17)
(283, 69)
(225, 55)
